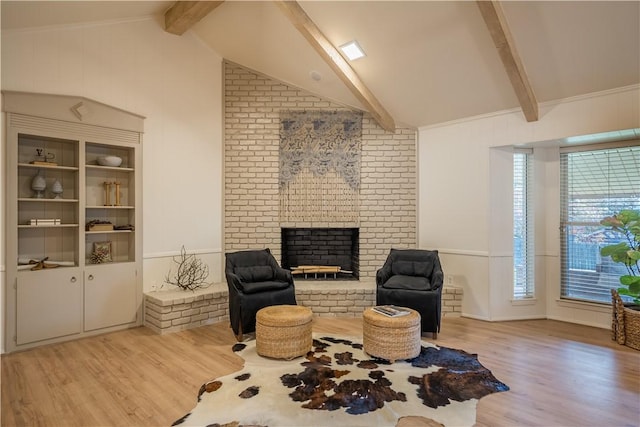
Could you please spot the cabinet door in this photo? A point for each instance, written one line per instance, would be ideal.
(109, 295)
(49, 304)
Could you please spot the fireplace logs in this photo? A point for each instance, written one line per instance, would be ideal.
(318, 269)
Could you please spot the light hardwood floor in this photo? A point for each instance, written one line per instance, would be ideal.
(560, 374)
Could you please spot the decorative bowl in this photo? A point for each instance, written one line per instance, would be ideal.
(113, 161)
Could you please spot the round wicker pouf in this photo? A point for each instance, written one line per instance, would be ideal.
(391, 338)
(283, 331)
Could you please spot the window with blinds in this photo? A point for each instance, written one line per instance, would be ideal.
(595, 183)
(523, 251)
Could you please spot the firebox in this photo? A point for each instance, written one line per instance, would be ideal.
(321, 253)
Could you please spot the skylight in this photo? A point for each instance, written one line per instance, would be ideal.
(352, 50)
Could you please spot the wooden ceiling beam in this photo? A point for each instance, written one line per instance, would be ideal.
(338, 64)
(499, 29)
(184, 14)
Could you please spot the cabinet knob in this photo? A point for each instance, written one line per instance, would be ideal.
(73, 279)
(91, 277)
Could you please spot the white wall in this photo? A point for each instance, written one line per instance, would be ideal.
(176, 83)
(3, 240)
(465, 201)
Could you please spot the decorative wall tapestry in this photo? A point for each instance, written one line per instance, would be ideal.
(320, 166)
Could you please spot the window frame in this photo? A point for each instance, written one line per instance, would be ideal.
(568, 267)
(523, 205)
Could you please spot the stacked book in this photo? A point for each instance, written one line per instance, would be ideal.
(391, 310)
(40, 163)
(45, 222)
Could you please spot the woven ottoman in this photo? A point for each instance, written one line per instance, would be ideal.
(283, 331)
(391, 338)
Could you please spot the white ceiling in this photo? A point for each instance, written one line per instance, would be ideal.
(427, 61)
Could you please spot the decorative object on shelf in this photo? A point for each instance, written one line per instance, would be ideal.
(113, 161)
(98, 225)
(38, 184)
(44, 159)
(107, 193)
(31, 264)
(126, 227)
(192, 273)
(101, 252)
(40, 264)
(44, 222)
(117, 193)
(57, 189)
(40, 158)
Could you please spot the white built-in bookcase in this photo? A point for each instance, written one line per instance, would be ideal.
(73, 295)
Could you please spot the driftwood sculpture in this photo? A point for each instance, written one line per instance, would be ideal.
(191, 274)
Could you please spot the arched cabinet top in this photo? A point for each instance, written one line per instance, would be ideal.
(74, 109)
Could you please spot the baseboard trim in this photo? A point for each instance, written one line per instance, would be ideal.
(176, 253)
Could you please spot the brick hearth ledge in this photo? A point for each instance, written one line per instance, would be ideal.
(168, 311)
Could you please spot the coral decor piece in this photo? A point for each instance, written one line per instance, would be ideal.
(191, 273)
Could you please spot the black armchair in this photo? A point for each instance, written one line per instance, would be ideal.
(413, 278)
(255, 281)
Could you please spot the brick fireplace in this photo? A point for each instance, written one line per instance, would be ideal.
(387, 205)
(388, 191)
(338, 247)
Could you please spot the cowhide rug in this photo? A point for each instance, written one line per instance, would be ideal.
(337, 384)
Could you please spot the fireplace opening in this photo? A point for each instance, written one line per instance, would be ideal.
(322, 253)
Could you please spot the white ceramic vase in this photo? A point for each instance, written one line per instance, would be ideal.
(57, 189)
(38, 184)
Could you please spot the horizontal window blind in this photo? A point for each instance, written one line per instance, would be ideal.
(594, 184)
(523, 243)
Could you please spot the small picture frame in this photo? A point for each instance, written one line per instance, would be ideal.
(101, 252)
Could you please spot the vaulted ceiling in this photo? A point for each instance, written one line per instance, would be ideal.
(426, 62)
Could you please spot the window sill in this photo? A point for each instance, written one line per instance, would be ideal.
(584, 305)
(524, 301)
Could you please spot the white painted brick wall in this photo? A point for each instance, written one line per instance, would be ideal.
(252, 121)
(172, 311)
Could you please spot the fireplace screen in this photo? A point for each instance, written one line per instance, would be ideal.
(321, 253)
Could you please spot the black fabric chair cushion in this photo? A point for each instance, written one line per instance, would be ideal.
(257, 287)
(404, 268)
(255, 273)
(414, 283)
(412, 268)
(251, 258)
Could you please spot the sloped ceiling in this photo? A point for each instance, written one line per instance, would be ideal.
(427, 61)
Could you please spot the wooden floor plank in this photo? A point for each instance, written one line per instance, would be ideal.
(560, 374)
